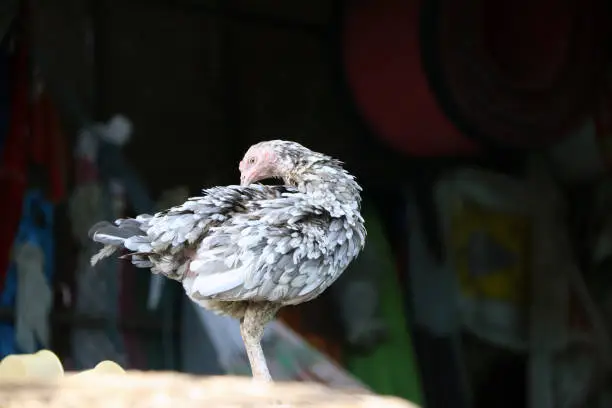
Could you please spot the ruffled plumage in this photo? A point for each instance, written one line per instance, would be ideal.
(278, 244)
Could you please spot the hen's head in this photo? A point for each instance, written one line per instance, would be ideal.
(276, 159)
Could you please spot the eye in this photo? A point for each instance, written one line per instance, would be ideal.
(251, 160)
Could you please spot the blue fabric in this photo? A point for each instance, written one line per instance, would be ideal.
(36, 227)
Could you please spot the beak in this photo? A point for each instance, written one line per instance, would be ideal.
(244, 180)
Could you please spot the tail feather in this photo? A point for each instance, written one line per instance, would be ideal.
(127, 233)
(138, 243)
(108, 234)
(140, 260)
(130, 224)
(105, 252)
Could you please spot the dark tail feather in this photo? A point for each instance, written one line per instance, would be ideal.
(113, 236)
(108, 234)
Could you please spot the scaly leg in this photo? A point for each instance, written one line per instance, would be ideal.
(256, 316)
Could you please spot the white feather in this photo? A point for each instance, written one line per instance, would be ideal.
(209, 285)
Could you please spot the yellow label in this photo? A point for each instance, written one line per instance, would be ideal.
(490, 252)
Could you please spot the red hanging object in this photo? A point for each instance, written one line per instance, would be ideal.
(520, 74)
(383, 66)
(13, 164)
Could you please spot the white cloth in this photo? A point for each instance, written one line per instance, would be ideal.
(34, 299)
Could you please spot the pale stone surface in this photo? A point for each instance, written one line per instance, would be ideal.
(140, 390)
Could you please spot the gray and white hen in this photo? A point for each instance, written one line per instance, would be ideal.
(246, 251)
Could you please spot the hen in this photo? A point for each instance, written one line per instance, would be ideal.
(246, 251)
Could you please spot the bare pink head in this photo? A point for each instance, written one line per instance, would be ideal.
(270, 159)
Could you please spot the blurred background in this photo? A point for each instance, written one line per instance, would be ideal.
(481, 132)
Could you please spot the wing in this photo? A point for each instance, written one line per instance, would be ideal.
(165, 242)
(284, 249)
(189, 222)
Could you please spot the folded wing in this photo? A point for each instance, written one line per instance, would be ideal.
(287, 249)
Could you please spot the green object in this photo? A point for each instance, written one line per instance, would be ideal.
(391, 368)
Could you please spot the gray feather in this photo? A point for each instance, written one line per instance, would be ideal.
(252, 243)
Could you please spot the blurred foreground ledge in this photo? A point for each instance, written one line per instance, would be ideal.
(164, 389)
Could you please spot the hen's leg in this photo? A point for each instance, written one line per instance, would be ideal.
(256, 316)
